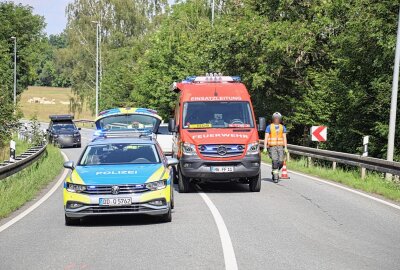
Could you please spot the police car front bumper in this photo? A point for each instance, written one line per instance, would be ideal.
(80, 205)
(98, 210)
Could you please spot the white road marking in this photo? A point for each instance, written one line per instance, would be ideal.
(39, 202)
(227, 247)
(345, 188)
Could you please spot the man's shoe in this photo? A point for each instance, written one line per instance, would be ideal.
(275, 177)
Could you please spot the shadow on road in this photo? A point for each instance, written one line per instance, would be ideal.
(119, 220)
(224, 187)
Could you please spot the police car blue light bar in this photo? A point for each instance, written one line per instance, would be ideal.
(140, 133)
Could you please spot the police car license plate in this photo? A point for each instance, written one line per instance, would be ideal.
(115, 201)
(221, 169)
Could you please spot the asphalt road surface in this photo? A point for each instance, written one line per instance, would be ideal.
(297, 224)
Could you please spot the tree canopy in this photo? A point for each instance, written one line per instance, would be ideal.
(17, 21)
(320, 62)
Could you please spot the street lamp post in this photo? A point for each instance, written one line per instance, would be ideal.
(212, 12)
(97, 65)
(393, 106)
(15, 70)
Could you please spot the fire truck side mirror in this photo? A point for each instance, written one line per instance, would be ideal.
(172, 126)
(262, 124)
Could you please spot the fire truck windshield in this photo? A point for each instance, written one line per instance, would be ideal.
(215, 114)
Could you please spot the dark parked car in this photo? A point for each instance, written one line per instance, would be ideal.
(63, 132)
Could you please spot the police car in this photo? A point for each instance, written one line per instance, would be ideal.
(122, 171)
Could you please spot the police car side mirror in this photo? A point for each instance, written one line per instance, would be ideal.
(262, 124)
(172, 162)
(172, 125)
(69, 165)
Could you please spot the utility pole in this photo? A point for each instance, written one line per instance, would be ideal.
(393, 106)
(212, 12)
(97, 65)
(15, 70)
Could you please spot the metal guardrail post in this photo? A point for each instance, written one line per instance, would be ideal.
(334, 165)
(309, 162)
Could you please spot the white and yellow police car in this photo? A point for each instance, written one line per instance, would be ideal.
(122, 171)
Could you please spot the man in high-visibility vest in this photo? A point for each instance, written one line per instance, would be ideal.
(276, 142)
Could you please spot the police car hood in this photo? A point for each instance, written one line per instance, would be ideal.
(119, 174)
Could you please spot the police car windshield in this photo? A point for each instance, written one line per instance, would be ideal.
(212, 114)
(120, 153)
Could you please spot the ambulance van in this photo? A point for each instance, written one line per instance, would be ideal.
(215, 132)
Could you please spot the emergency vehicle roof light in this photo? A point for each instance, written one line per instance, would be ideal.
(212, 78)
(142, 133)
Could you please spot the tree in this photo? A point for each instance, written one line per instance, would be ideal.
(17, 21)
(123, 23)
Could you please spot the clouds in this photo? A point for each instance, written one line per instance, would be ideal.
(52, 10)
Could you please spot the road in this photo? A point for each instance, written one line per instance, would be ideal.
(297, 224)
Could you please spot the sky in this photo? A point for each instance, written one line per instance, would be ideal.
(53, 11)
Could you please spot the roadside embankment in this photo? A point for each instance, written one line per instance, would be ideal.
(16, 190)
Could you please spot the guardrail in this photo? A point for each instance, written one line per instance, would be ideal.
(83, 122)
(22, 161)
(375, 164)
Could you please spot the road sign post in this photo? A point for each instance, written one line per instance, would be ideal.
(364, 154)
(12, 151)
(318, 134)
(393, 104)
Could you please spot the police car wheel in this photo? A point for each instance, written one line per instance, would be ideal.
(172, 197)
(184, 185)
(255, 183)
(175, 175)
(166, 217)
(71, 221)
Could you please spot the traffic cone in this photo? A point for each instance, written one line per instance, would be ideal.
(284, 174)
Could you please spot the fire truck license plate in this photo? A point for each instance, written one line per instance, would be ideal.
(221, 169)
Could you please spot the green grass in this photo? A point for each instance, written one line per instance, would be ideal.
(61, 98)
(16, 190)
(373, 183)
(21, 147)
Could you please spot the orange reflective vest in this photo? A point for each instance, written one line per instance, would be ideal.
(276, 136)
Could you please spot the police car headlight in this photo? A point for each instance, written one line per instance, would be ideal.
(253, 148)
(75, 188)
(189, 149)
(156, 185)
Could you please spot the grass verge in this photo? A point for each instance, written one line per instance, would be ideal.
(373, 183)
(16, 190)
(21, 147)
